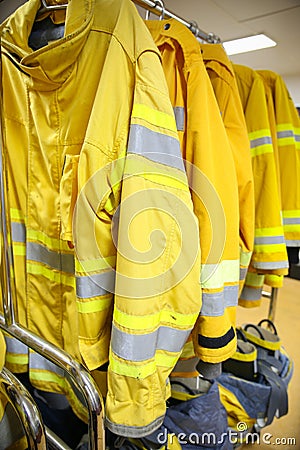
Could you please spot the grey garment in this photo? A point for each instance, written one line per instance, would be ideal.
(11, 429)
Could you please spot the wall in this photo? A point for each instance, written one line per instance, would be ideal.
(293, 85)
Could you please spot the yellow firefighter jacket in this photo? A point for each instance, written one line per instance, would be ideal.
(105, 240)
(287, 135)
(213, 183)
(269, 254)
(221, 74)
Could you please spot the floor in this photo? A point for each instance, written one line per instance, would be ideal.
(283, 433)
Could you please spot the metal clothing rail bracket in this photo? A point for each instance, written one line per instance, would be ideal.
(157, 8)
(79, 375)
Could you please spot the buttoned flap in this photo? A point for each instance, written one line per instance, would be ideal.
(68, 195)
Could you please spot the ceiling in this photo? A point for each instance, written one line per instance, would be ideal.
(230, 19)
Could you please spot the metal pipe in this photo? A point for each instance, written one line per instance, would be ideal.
(80, 376)
(26, 410)
(156, 8)
(55, 442)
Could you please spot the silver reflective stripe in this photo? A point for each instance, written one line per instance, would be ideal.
(271, 265)
(18, 232)
(251, 294)
(214, 304)
(285, 134)
(155, 146)
(134, 432)
(179, 117)
(269, 240)
(15, 346)
(297, 137)
(243, 273)
(291, 220)
(293, 243)
(260, 141)
(59, 261)
(95, 285)
(37, 361)
(140, 347)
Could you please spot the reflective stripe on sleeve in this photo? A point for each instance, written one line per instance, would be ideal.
(18, 232)
(215, 303)
(59, 261)
(141, 347)
(213, 276)
(249, 293)
(134, 322)
(260, 142)
(243, 273)
(154, 117)
(291, 220)
(267, 240)
(15, 346)
(272, 265)
(95, 285)
(179, 117)
(155, 146)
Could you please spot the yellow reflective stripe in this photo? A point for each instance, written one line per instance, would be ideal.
(166, 360)
(137, 371)
(95, 265)
(282, 142)
(213, 276)
(264, 132)
(188, 350)
(134, 322)
(16, 358)
(157, 118)
(287, 126)
(245, 258)
(51, 243)
(19, 249)
(292, 213)
(17, 214)
(291, 228)
(261, 150)
(143, 370)
(139, 166)
(93, 306)
(272, 231)
(270, 248)
(254, 279)
(52, 275)
(51, 377)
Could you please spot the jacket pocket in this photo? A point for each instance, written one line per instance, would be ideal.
(68, 195)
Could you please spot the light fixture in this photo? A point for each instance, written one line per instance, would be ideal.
(248, 44)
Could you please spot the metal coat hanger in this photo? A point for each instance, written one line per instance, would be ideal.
(49, 8)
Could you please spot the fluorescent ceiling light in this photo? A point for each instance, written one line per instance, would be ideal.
(248, 44)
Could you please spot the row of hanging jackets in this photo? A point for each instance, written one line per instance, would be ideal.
(137, 200)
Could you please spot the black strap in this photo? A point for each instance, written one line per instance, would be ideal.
(269, 322)
(278, 400)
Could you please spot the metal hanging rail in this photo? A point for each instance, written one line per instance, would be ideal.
(157, 8)
(273, 296)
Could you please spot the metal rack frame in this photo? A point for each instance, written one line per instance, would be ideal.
(157, 7)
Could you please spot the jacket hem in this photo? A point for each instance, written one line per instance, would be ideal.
(132, 431)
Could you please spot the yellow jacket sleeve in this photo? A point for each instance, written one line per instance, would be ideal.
(221, 74)
(213, 183)
(269, 254)
(288, 142)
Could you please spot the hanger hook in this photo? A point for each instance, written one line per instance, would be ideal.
(162, 5)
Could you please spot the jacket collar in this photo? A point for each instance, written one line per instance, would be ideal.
(50, 65)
